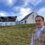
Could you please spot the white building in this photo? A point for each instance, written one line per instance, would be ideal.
(29, 19)
(8, 21)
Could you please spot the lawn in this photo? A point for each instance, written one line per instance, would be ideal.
(16, 35)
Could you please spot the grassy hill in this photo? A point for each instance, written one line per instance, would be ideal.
(16, 35)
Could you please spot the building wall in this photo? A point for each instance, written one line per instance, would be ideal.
(7, 23)
(30, 19)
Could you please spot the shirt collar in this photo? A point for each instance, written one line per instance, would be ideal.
(41, 29)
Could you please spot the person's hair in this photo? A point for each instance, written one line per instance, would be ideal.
(40, 16)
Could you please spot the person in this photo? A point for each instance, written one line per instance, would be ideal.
(38, 35)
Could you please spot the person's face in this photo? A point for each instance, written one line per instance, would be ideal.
(39, 22)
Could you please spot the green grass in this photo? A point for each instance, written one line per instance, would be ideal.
(16, 35)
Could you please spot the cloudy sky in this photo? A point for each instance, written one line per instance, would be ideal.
(21, 8)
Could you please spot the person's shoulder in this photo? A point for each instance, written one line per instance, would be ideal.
(44, 26)
(44, 29)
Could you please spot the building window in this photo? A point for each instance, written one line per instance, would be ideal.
(25, 21)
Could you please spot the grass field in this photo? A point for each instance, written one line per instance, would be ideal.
(16, 35)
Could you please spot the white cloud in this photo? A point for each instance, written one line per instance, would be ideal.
(42, 12)
(5, 14)
(8, 2)
(11, 14)
(34, 2)
(24, 12)
(2, 13)
(16, 9)
(21, 11)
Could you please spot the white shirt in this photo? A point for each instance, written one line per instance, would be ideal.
(38, 34)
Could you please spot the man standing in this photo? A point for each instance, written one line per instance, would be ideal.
(38, 36)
